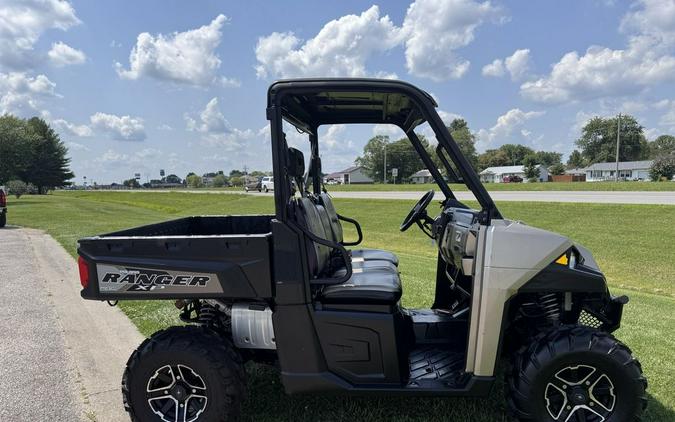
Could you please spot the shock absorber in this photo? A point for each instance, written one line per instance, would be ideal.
(550, 306)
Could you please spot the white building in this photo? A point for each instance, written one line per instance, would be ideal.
(628, 170)
(498, 174)
(422, 176)
(351, 175)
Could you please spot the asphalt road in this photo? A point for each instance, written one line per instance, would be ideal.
(62, 358)
(598, 197)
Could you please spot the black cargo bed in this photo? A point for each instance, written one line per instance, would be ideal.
(191, 257)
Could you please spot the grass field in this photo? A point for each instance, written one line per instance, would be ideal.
(632, 243)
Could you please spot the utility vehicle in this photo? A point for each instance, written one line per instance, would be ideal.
(289, 290)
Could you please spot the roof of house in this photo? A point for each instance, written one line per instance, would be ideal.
(623, 165)
(505, 169)
(422, 173)
(351, 169)
(576, 171)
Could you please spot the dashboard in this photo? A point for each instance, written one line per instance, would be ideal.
(456, 231)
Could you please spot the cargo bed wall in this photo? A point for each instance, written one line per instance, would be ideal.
(192, 257)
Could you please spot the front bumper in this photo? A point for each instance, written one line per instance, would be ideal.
(606, 317)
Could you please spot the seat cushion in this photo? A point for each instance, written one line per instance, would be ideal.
(359, 266)
(369, 286)
(373, 255)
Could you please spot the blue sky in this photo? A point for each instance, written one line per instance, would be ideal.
(138, 86)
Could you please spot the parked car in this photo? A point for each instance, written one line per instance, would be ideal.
(253, 184)
(512, 179)
(267, 183)
(3, 206)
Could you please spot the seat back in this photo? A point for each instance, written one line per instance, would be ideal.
(333, 220)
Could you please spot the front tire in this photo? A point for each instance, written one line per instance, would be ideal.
(266, 190)
(3, 220)
(576, 373)
(184, 373)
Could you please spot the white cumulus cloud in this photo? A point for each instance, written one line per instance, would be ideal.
(341, 48)
(22, 94)
(517, 64)
(603, 72)
(209, 120)
(182, 57)
(62, 54)
(506, 124)
(431, 32)
(64, 126)
(435, 29)
(121, 128)
(22, 22)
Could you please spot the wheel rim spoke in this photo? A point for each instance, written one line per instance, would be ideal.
(176, 393)
(580, 393)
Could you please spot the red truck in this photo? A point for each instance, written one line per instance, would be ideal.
(3, 206)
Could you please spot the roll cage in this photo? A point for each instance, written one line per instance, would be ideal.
(309, 103)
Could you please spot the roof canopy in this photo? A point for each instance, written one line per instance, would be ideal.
(309, 103)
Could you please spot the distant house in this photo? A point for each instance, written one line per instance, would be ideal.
(628, 170)
(497, 174)
(571, 175)
(348, 176)
(422, 176)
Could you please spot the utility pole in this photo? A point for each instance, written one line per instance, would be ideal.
(618, 144)
(385, 163)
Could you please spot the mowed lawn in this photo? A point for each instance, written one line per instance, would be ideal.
(632, 243)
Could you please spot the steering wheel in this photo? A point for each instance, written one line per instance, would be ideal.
(418, 211)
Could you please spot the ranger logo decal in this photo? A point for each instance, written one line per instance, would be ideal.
(120, 279)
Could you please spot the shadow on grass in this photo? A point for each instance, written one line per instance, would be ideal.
(657, 411)
(11, 227)
(267, 401)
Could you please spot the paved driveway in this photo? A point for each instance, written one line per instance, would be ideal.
(61, 357)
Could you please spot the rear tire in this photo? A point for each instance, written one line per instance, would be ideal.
(576, 369)
(184, 373)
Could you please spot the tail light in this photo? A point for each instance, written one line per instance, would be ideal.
(3, 198)
(84, 272)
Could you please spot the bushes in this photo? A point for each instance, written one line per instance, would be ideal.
(663, 168)
(19, 187)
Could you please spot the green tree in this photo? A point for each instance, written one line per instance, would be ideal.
(548, 158)
(663, 167)
(236, 173)
(372, 159)
(219, 181)
(17, 188)
(516, 153)
(663, 145)
(459, 129)
(557, 169)
(49, 162)
(131, 183)
(172, 178)
(530, 168)
(16, 146)
(195, 181)
(576, 160)
(493, 158)
(598, 140)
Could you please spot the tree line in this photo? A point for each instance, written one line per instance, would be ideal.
(32, 156)
(596, 144)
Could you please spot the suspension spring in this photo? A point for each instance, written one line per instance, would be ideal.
(550, 306)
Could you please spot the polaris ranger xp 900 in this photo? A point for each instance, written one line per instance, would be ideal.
(289, 290)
